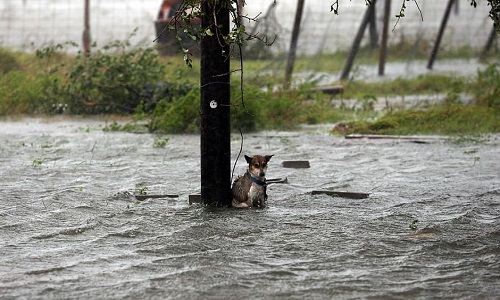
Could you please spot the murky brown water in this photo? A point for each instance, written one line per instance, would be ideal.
(69, 229)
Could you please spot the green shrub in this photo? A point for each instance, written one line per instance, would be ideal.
(8, 61)
(246, 113)
(258, 110)
(19, 93)
(110, 80)
(180, 114)
(265, 110)
(487, 87)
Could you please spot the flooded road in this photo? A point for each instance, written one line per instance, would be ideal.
(69, 228)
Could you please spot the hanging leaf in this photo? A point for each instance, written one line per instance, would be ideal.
(209, 32)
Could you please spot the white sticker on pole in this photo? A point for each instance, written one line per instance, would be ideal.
(213, 104)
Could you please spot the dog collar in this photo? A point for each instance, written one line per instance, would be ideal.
(257, 181)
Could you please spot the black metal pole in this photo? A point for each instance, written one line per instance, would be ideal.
(435, 49)
(293, 44)
(214, 107)
(385, 35)
(357, 41)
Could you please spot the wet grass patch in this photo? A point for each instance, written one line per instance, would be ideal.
(453, 119)
(427, 84)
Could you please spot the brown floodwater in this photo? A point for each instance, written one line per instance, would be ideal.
(70, 228)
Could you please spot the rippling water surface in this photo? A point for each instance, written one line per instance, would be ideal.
(70, 229)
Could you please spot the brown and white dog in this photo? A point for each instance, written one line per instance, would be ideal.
(249, 190)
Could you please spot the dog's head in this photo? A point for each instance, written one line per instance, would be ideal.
(257, 165)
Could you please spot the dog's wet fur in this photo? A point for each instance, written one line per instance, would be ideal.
(249, 190)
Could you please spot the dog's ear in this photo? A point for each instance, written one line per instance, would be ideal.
(248, 159)
(268, 157)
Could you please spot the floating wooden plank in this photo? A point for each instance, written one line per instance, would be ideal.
(194, 198)
(297, 164)
(276, 136)
(144, 197)
(349, 195)
(277, 180)
(330, 90)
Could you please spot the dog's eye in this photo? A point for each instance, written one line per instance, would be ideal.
(256, 166)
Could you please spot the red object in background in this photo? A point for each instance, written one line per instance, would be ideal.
(167, 39)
